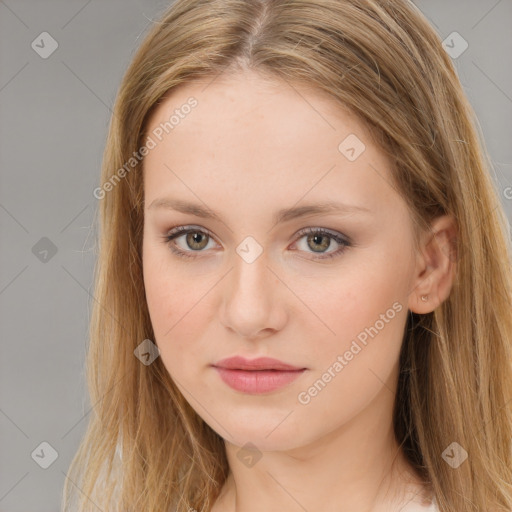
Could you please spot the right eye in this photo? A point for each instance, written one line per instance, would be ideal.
(194, 238)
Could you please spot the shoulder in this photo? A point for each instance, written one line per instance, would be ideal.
(417, 507)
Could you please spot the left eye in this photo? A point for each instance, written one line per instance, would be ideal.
(320, 239)
(317, 239)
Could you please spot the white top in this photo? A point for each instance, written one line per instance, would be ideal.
(416, 507)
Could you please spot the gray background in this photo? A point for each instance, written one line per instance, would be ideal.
(53, 120)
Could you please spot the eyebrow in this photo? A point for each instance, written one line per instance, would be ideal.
(284, 215)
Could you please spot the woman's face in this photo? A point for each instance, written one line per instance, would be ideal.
(251, 281)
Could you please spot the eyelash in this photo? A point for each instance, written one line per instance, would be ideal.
(184, 230)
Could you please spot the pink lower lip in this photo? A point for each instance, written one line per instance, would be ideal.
(257, 381)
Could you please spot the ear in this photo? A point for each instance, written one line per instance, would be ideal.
(435, 266)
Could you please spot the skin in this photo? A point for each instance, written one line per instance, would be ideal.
(249, 148)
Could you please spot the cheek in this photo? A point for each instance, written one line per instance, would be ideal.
(353, 298)
(351, 367)
(174, 308)
(361, 314)
(180, 308)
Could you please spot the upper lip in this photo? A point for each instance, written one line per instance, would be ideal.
(261, 363)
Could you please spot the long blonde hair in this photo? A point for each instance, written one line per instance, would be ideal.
(383, 61)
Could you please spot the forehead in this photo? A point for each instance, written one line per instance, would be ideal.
(250, 101)
(263, 140)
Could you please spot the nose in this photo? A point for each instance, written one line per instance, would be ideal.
(253, 306)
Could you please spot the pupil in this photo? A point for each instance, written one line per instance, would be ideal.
(195, 240)
(317, 239)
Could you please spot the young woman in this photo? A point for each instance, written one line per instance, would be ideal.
(303, 291)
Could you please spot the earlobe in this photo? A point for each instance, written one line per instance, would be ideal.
(436, 266)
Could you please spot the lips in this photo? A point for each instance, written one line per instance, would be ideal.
(261, 363)
(256, 376)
